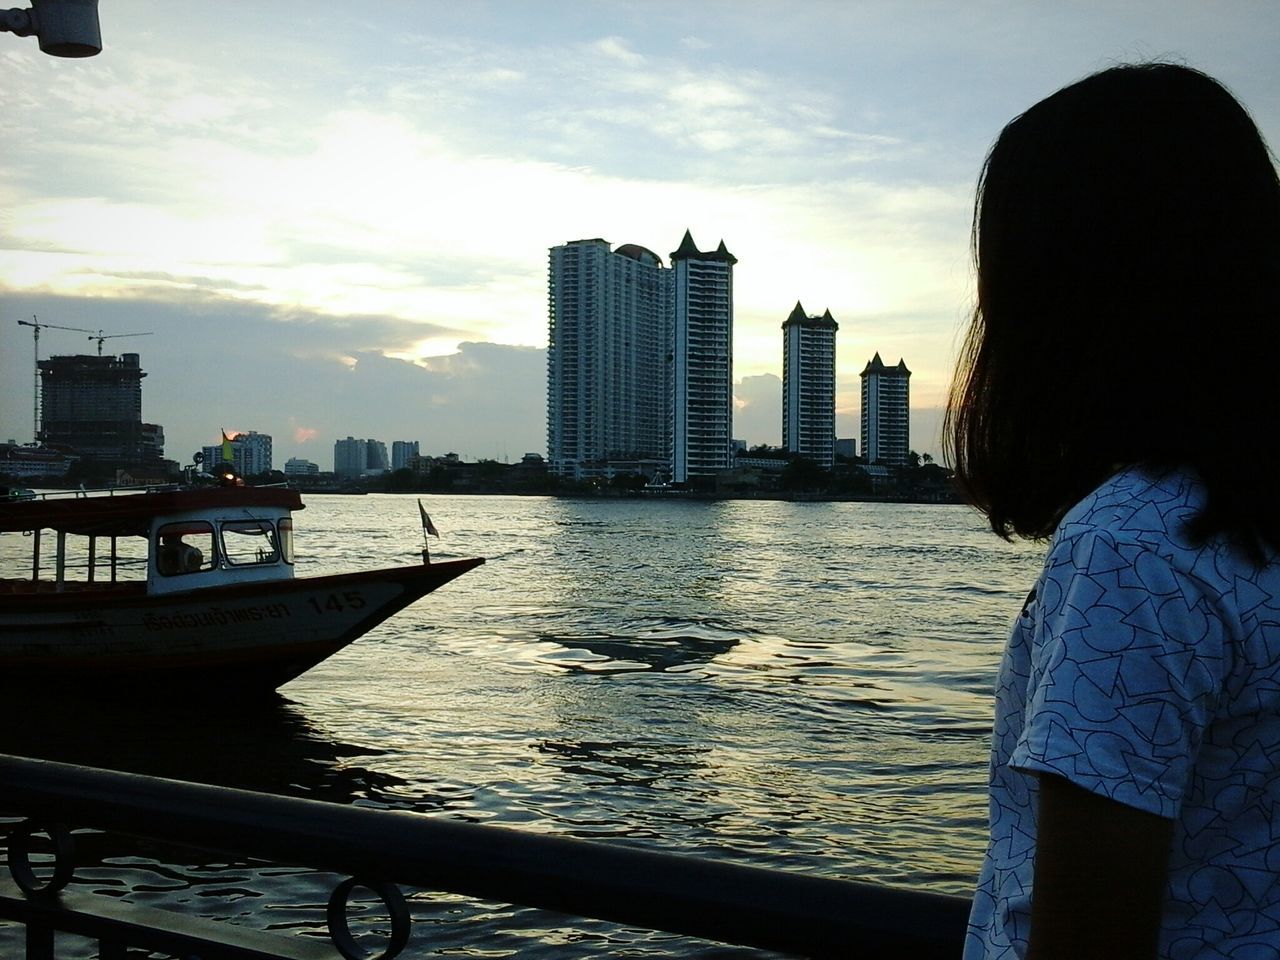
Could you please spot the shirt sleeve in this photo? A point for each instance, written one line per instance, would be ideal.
(1127, 657)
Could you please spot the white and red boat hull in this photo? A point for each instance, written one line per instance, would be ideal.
(233, 639)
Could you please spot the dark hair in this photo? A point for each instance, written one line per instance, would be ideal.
(1126, 236)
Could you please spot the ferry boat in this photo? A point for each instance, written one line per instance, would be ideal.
(34, 462)
(181, 591)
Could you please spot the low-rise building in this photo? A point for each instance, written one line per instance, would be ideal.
(297, 467)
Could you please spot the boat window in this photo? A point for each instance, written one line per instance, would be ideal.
(249, 542)
(183, 548)
(286, 539)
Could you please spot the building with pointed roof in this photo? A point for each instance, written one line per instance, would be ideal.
(886, 412)
(702, 361)
(809, 386)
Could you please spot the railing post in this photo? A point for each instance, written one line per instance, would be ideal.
(39, 940)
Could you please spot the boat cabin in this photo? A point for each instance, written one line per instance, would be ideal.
(184, 539)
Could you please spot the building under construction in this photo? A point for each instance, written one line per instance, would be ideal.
(94, 405)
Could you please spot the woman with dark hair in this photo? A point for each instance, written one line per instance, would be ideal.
(1116, 392)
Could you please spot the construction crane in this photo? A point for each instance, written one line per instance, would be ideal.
(100, 336)
(36, 327)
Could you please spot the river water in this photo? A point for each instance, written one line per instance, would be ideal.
(804, 686)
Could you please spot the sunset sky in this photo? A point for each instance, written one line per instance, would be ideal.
(333, 218)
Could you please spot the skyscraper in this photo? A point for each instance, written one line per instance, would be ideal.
(886, 409)
(809, 386)
(702, 354)
(94, 404)
(609, 324)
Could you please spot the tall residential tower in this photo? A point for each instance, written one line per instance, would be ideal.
(609, 326)
(809, 386)
(702, 370)
(350, 458)
(886, 409)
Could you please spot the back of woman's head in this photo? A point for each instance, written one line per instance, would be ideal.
(1127, 243)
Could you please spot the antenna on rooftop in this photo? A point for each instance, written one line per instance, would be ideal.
(100, 336)
(36, 327)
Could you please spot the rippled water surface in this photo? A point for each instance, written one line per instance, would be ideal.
(798, 685)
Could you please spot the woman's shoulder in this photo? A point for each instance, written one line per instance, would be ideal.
(1143, 511)
(1139, 503)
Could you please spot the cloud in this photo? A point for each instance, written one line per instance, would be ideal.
(616, 48)
(303, 434)
(427, 185)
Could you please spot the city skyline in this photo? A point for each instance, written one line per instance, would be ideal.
(327, 219)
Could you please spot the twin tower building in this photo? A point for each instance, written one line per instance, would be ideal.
(640, 365)
(639, 361)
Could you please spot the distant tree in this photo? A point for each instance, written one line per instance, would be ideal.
(927, 458)
(628, 482)
(852, 480)
(401, 481)
(913, 459)
(804, 475)
(439, 478)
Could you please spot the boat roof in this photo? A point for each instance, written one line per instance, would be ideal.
(131, 514)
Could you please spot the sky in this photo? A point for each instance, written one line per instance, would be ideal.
(318, 219)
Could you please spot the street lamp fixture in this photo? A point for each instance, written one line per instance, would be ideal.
(64, 28)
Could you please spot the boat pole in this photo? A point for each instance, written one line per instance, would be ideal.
(35, 559)
(93, 552)
(60, 562)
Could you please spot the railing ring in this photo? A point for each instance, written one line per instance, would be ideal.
(64, 858)
(340, 927)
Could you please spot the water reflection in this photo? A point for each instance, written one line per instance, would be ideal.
(270, 746)
(620, 654)
(631, 763)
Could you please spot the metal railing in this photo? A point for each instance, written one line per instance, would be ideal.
(379, 849)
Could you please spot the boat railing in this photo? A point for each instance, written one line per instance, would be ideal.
(82, 491)
(78, 492)
(380, 851)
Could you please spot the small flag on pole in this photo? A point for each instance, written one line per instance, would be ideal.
(427, 526)
(227, 456)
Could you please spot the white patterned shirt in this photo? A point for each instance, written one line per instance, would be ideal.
(1145, 668)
